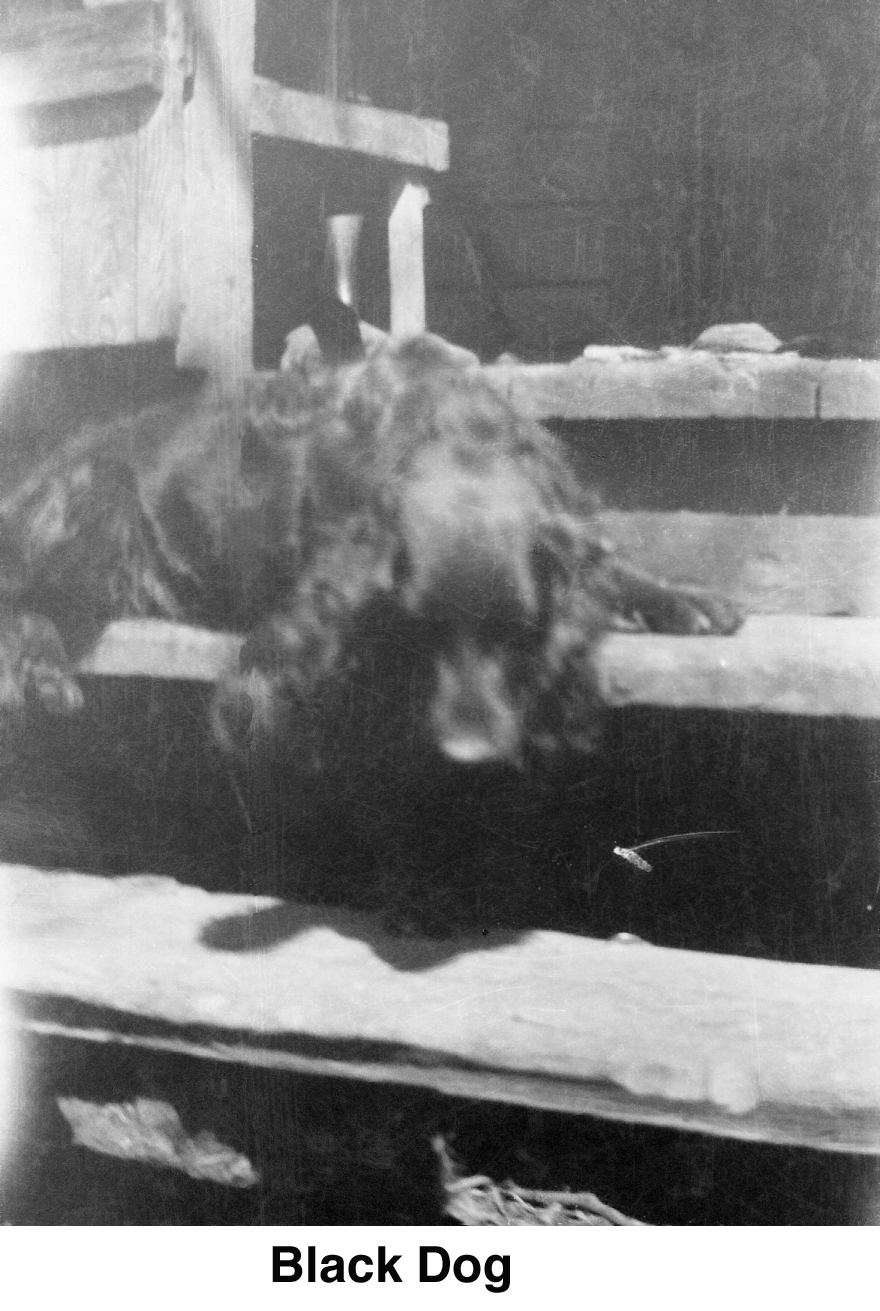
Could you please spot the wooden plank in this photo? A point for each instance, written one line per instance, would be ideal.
(777, 564)
(97, 235)
(80, 55)
(747, 1048)
(696, 385)
(776, 664)
(157, 648)
(216, 327)
(92, 255)
(850, 389)
(316, 120)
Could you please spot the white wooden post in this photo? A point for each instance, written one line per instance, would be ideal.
(406, 258)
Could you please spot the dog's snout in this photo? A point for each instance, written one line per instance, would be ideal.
(473, 717)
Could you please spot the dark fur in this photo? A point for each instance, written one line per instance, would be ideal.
(423, 584)
(414, 508)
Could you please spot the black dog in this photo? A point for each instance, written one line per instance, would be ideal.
(423, 585)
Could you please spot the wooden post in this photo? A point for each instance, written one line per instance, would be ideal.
(343, 235)
(406, 258)
(216, 327)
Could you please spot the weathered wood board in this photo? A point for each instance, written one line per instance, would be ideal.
(777, 664)
(849, 389)
(776, 564)
(747, 1048)
(139, 227)
(316, 120)
(56, 58)
(695, 385)
(92, 217)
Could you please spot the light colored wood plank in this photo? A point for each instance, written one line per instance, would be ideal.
(79, 225)
(776, 664)
(318, 120)
(697, 386)
(777, 564)
(157, 648)
(406, 258)
(98, 240)
(216, 327)
(741, 1047)
(94, 251)
(79, 55)
(850, 389)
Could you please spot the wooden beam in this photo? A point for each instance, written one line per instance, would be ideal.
(747, 1048)
(157, 648)
(81, 55)
(849, 389)
(777, 664)
(278, 111)
(776, 563)
(694, 385)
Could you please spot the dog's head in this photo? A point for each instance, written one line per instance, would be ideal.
(433, 547)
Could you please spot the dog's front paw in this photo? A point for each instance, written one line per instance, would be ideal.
(691, 611)
(34, 666)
